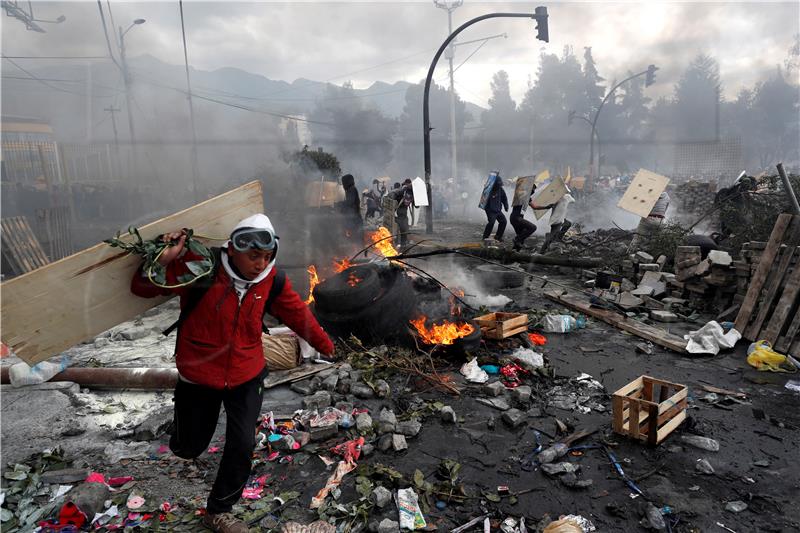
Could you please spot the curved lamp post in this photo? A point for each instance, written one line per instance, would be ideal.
(539, 14)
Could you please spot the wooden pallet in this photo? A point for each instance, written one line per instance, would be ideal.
(659, 407)
(502, 325)
(770, 308)
(20, 247)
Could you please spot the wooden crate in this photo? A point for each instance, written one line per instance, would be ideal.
(502, 325)
(659, 406)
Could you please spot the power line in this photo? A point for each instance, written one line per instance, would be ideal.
(43, 82)
(105, 31)
(56, 57)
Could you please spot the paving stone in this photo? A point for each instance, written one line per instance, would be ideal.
(643, 257)
(626, 285)
(330, 382)
(448, 415)
(497, 403)
(344, 385)
(719, 257)
(642, 290)
(704, 467)
(363, 423)
(387, 421)
(409, 428)
(362, 391)
(399, 442)
(324, 432)
(381, 496)
(305, 387)
(388, 526)
(382, 389)
(521, 394)
(65, 476)
(155, 424)
(494, 388)
(514, 418)
(367, 450)
(385, 442)
(318, 400)
(649, 267)
(664, 316)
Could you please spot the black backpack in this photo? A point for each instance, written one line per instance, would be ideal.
(199, 288)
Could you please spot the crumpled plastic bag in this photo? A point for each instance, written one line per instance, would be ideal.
(473, 372)
(410, 513)
(711, 338)
(529, 359)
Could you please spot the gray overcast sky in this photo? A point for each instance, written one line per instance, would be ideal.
(337, 41)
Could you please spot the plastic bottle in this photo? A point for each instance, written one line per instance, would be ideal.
(655, 518)
(347, 421)
(563, 323)
(22, 374)
(552, 453)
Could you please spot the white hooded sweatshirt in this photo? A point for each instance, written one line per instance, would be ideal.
(259, 221)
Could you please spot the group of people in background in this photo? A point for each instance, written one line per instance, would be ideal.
(497, 202)
(350, 207)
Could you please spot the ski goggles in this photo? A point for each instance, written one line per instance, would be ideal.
(245, 239)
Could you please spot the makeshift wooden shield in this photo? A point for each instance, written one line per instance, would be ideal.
(550, 193)
(487, 190)
(643, 192)
(420, 192)
(76, 298)
(522, 191)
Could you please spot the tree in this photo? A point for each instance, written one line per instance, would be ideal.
(697, 101)
(505, 134)
(775, 105)
(594, 91)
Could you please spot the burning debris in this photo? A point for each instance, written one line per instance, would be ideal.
(442, 332)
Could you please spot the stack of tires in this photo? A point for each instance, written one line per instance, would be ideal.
(376, 308)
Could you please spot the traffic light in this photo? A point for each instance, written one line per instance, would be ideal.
(540, 14)
(651, 76)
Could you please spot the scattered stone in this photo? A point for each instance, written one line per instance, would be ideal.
(514, 418)
(736, 507)
(134, 334)
(154, 425)
(662, 260)
(343, 387)
(387, 421)
(704, 443)
(362, 391)
(324, 432)
(653, 519)
(571, 480)
(495, 388)
(330, 382)
(497, 403)
(649, 267)
(382, 389)
(89, 497)
(409, 428)
(763, 463)
(344, 406)
(388, 526)
(626, 285)
(363, 423)
(448, 415)
(65, 476)
(385, 442)
(664, 316)
(304, 387)
(535, 412)
(720, 257)
(704, 467)
(521, 394)
(642, 290)
(399, 442)
(319, 400)
(381, 496)
(367, 450)
(101, 342)
(645, 348)
(643, 257)
(626, 300)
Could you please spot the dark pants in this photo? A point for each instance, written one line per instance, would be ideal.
(557, 232)
(196, 415)
(523, 228)
(491, 216)
(402, 225)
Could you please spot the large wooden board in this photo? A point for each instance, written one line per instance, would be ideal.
(643, 192)
(549, 194)
(76, 298)
(640, 329)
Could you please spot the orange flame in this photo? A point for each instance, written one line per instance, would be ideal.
(353, 280)
(444, 333)
(313, 281)
(339, 266)
(382, 240)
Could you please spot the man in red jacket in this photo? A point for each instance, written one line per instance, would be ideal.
(219, 356)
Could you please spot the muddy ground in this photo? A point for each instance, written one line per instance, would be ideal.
(756, 462)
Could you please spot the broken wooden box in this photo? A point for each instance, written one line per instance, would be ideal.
(502, 325)
(659, 406)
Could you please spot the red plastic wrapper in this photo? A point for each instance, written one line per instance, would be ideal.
(537, 339)
(350, 450)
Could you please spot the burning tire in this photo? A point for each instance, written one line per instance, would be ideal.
(498, 277)
(383, 317)
(350, 290)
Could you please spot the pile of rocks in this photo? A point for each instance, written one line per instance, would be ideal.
(708, 283)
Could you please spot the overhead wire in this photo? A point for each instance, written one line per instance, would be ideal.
(105, 31)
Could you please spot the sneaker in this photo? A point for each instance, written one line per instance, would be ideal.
(225, 523)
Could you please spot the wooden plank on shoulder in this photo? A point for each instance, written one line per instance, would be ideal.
(76, 298)
(774, 282)
(640, 329)
(764, 265)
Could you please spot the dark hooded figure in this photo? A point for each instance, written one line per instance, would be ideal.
(497, 201)
(351, 206)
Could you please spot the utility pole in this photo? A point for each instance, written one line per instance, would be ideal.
(191, 110)
(451, 6)
(126, 77)
(113, 110)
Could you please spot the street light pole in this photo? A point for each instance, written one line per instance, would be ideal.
(594, 171)
(126, 77)
(450, 7)
(539, 14)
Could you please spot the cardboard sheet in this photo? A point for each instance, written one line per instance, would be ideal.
(643, 192)
(549, 193)
(522, 190)
(420, 192)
